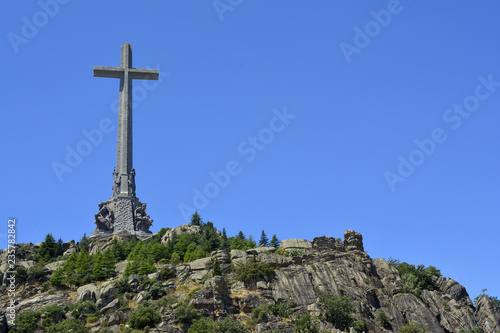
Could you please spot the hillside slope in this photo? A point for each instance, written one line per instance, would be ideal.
(302, 286)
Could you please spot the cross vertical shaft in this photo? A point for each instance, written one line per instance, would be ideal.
(124, 143)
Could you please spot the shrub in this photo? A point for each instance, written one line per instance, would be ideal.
(27, 321)
(338, 310)
(384, 320)
(412, 328)
(283, 309)
(251, 271)
(82, 307)
(229, 325)
(144, 316)
(57, 278)
(156, 290)
(36, 272)
(167, 273)
(306, 324)
(260, 314)
(185, 314)
(416, 278)
(67, 325)
(203, 325)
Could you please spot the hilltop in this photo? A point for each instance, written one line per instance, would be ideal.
(194, 278)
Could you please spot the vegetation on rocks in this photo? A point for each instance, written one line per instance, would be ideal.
(194, 278)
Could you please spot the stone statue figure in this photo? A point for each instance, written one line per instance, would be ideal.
(116, 182)
(104, 219)
(131, 183)
(142, 220)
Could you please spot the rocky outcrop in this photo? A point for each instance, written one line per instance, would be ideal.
(353, 241)
(488, 314)
(179, 230)
(295, 244)
(302, 270)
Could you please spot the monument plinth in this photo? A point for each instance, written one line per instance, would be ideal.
(123, 214)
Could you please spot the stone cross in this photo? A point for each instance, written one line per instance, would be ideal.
(126, 74)
(123, 213)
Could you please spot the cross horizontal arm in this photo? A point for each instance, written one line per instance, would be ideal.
(134, 73)
(116, 72)
(144, 74)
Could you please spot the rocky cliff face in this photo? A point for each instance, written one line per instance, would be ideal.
(323, 265)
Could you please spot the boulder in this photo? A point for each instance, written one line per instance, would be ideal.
(111, 306)
(54, 265)
(324, 243)
(200, 264)
(295, 244)
(261, 250)
(353, 241)
(181, 229)
(117, 318)
(87, 293)
(106, 290)
(40, 301)
(69, 244)
(389, 276)
(120, 267)
(239, 256)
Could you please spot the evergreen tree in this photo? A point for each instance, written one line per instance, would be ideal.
(275, 242)
(59, 248)
(264, 241)
(48, 249)
(224, 235)
(98, 272)
(241, 235)
(196, 219)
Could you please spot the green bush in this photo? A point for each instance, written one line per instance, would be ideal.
(185, 314)
(412, 328)
(338, 310)
(27, 321)
(251, 271)
(82, 307)
(416, 278)
(260, 314)
(306, 324)
(156, 290)
(167, 273)
(144, 316)
(229, 325)
(283, 309)
(203, 325)
(67, 325)
(384, 320)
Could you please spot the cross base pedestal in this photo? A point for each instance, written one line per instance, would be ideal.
(122, 216)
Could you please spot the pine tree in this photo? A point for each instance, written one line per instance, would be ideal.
(48, 249)
(98, 272)
(224, 235)
(196, 219)
(241, 235)
(275, 242)
(59, 248)
(264, 241)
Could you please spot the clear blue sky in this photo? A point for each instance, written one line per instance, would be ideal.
(378, 116)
